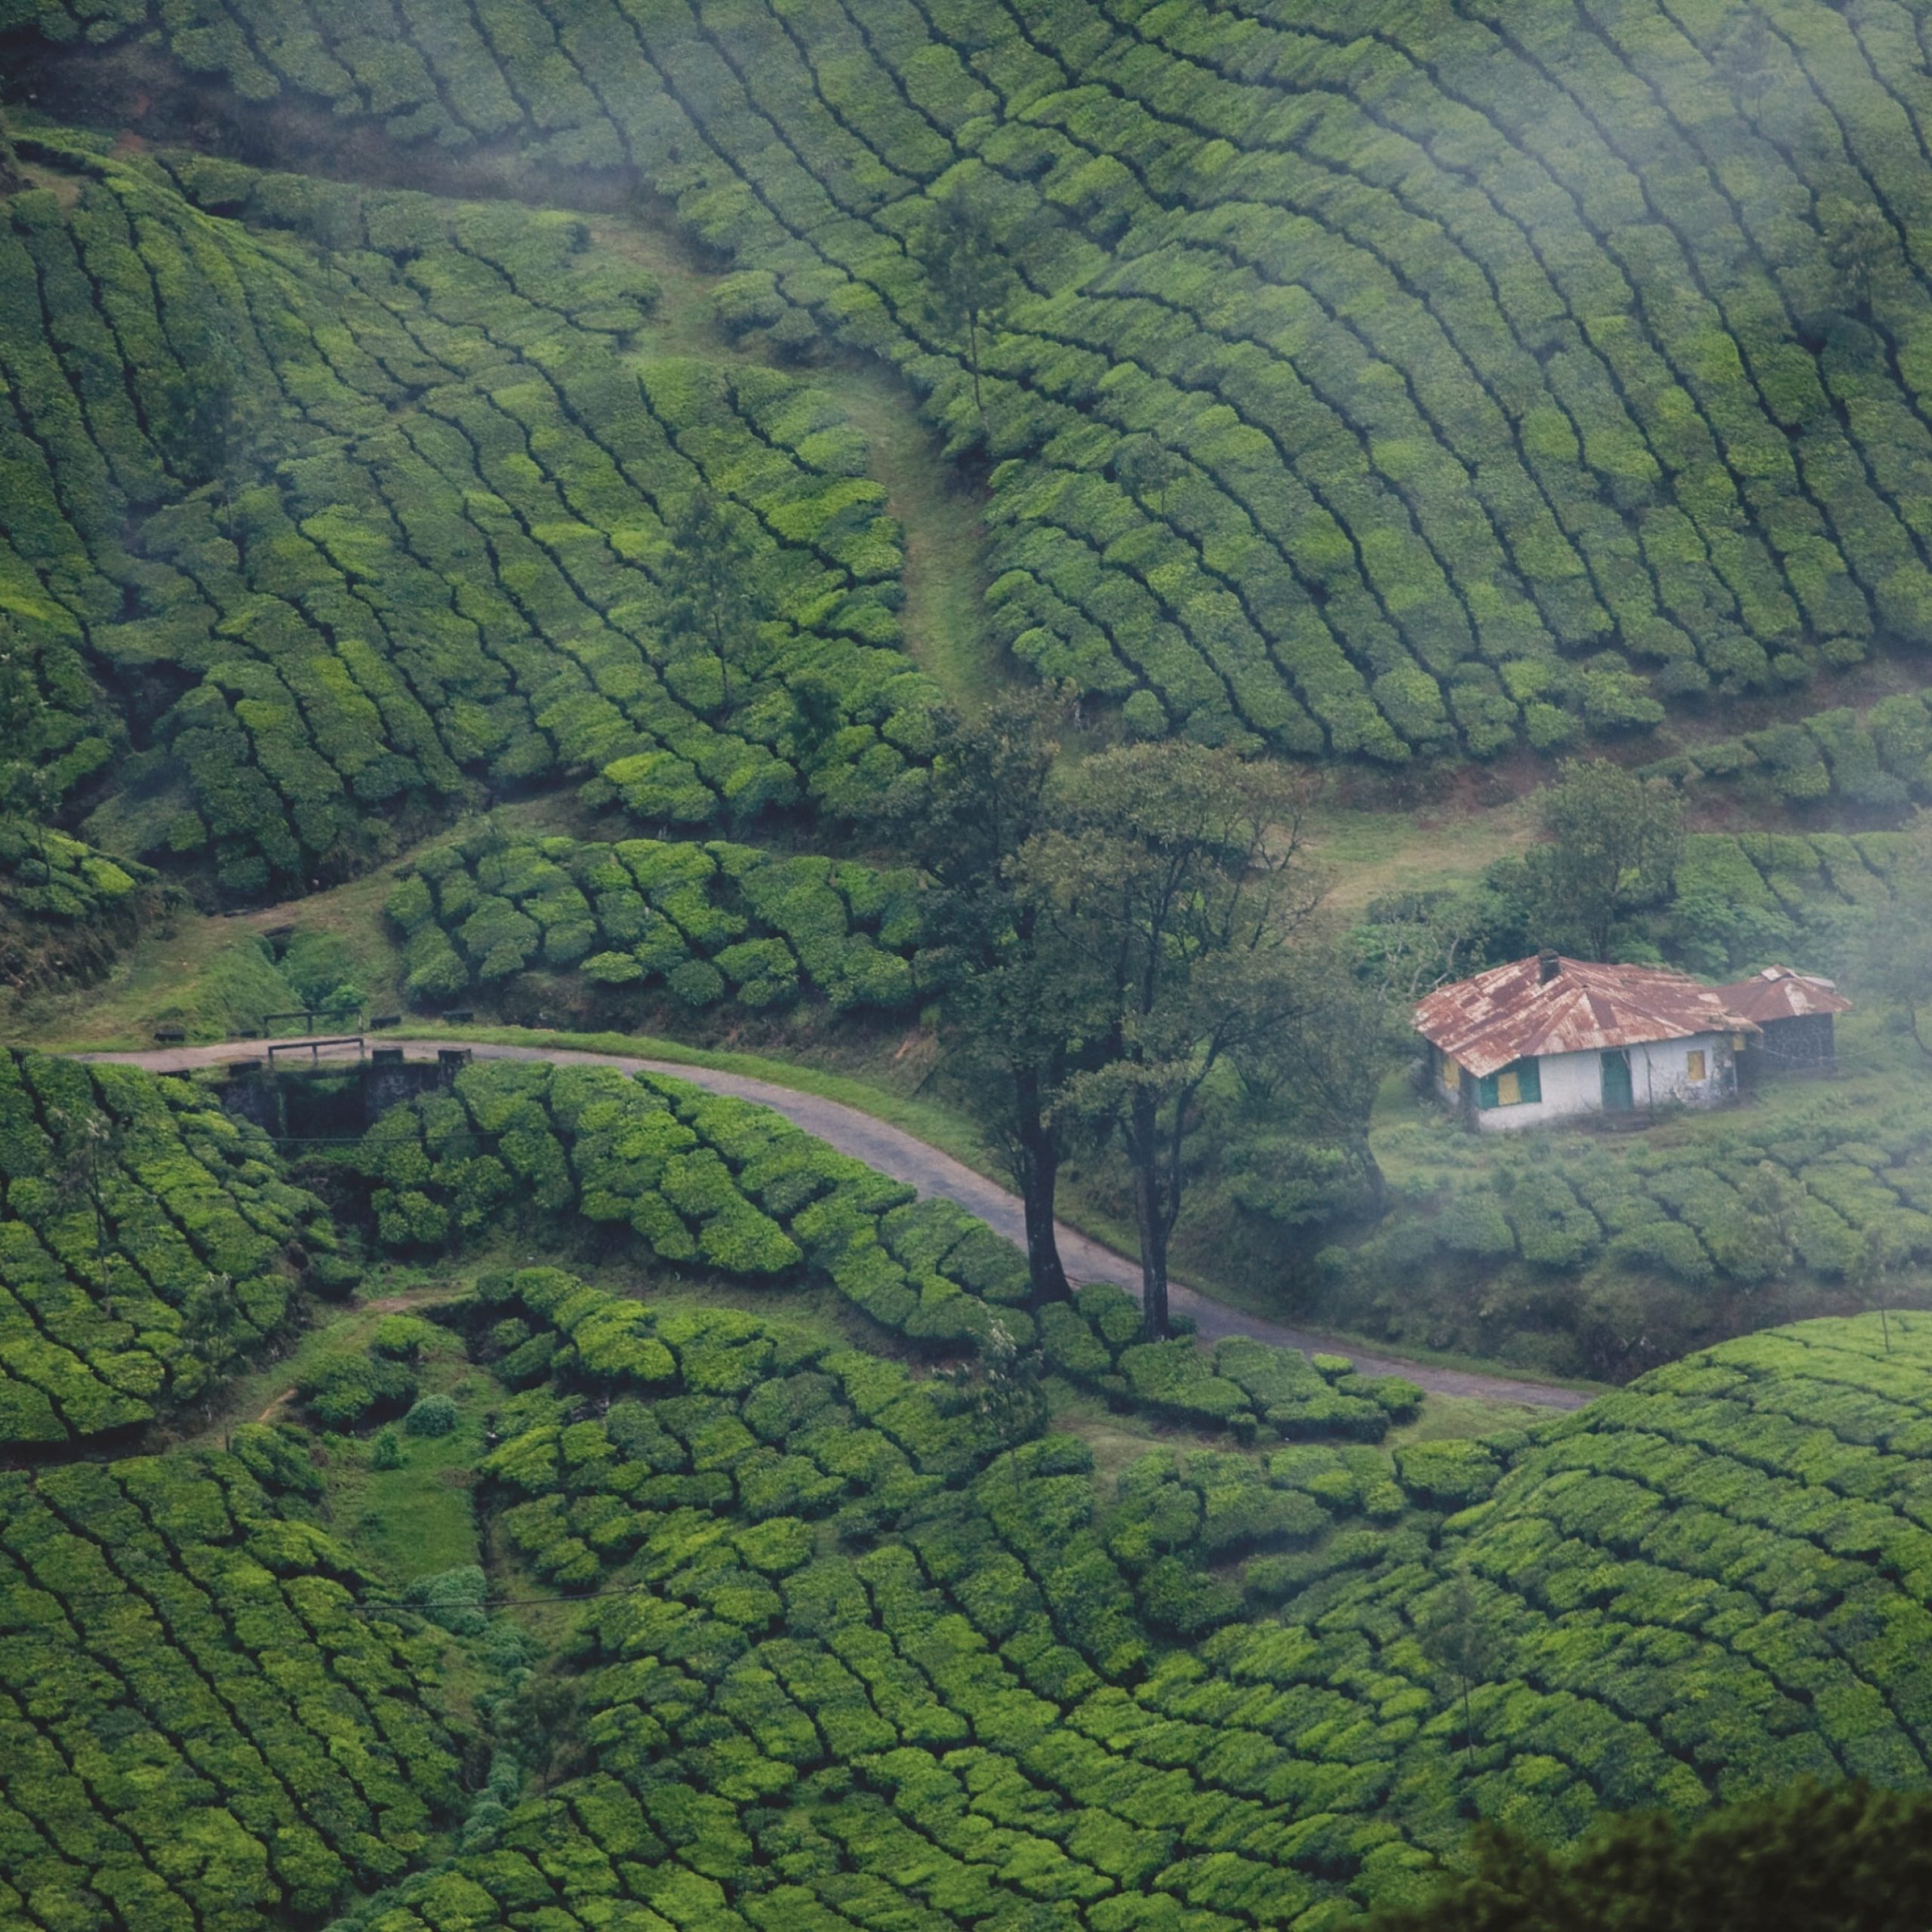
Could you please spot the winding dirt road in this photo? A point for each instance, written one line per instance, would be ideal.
(895, 1152)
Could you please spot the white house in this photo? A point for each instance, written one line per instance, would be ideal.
(1548, 1038)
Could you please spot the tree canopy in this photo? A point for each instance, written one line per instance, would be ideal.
(1177, 888)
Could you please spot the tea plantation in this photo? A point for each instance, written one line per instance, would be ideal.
(1448, 377)
(359, 502)
(705, 922)
(202, 1727)
(826, 1639)
(847, 1661)
(705, 1180)
(559, 510)
(147, 1239)
(1586, 1253)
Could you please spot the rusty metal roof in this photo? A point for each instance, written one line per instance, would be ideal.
(1778, 993)
(1513, 1013)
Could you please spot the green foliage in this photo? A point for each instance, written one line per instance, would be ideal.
(872, 1650)
(643, 913)
(1423, 495)
(1613, 843)
(144, 1244)
(1840, 1859)
(260, 1743)
(392, 520)
(1611, 1255)
(1419, 498)
(433, 1415)
(702, 1178)
(1735, 902)
(840, 1640)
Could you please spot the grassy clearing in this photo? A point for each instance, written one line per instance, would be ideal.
(416, 1520)
(944, 572)
(1460, 1418)
(212, 976)
(1371, 855)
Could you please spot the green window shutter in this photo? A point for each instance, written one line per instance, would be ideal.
(1486, 1091)
(1530, 1072)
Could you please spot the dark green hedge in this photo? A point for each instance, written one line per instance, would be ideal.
(1505, 399)
(362, 500)
(703, 921)
(146, 1240)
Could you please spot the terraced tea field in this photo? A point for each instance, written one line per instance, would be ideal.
(390, 526)
(520, 510)
(1465, 377)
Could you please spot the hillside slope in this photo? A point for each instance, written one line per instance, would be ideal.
(1510, 371)
(327, 523)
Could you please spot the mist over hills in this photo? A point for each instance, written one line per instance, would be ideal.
(589, 535)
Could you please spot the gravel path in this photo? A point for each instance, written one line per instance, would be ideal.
(894, 1153)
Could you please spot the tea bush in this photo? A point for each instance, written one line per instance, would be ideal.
(707, 920)
(204, 1724)
(124, 1197)
(1574, 1239)
(731, 1186)
(1495, 393)
(847, 1659)
(368, 496)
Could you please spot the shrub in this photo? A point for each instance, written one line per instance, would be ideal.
(434, 1415)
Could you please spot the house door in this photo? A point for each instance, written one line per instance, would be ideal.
(1616, 1083)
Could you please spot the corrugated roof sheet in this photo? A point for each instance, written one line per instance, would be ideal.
(1512, 1013)
(1778, 993)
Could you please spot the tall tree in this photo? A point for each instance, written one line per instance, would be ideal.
(11, 182)
(970, 281)
(1747, 61)
(26, 789)
(1460, 1638)
(1613, 841)
(1178, 887)
(1869, 1277)
(1347, 1026)
(213, 1322)
(1146, 468)
(540, 1722)
(1001, 1384)
(1009, 1016)
(87, 1148)
(711, 584)
(1858, 244)
(1892, 954)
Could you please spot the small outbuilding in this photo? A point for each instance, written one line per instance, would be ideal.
(1548, 1038)
(1793, 1012)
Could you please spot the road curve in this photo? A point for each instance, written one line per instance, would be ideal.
(894, 1152)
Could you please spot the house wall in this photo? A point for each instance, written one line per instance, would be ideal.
(1572, 1082)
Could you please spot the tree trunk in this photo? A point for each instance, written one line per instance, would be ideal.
(973, 362)
(1373, 1179)
(10, 182)
(1153, 1225)
(1039, 1179)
